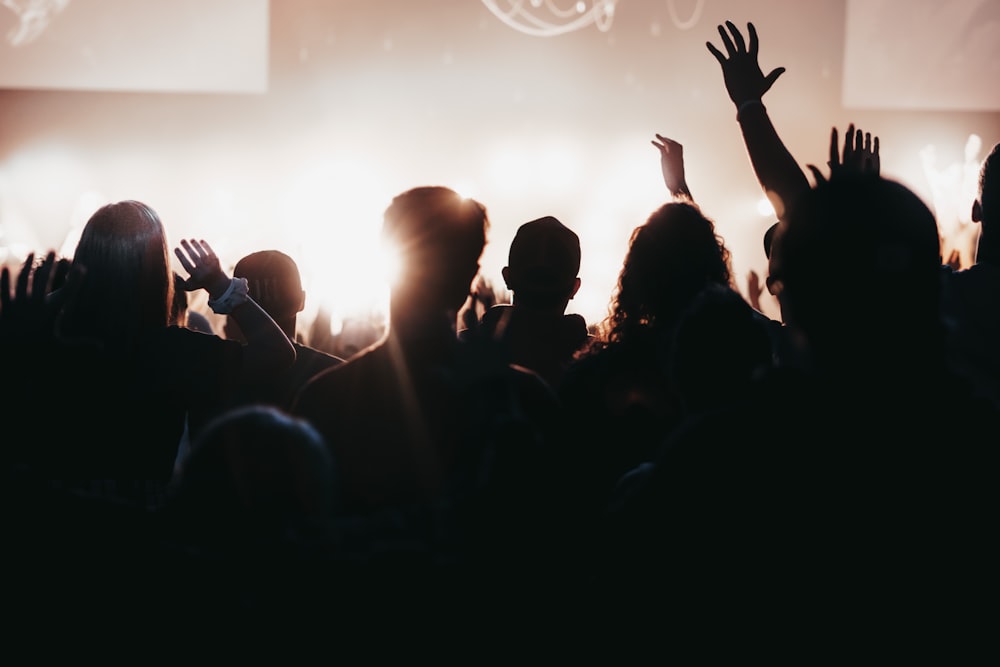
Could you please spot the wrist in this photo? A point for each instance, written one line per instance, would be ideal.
(217, 287)
(747, 106)
(681, 191)
(235, 294)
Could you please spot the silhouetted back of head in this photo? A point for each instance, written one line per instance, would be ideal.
(129, 283)
(273, 281)
(439, 237)
(255, 467)
(670, 259)
(544, 261)
(877, 236)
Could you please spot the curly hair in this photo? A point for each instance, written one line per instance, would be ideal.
(671, 258)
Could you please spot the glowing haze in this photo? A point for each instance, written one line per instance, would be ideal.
(358, 100)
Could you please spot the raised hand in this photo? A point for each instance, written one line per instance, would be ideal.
(201, 262)
(745, 81)
(859, 156)
(755, 289)
(672, 166)
(860, 152)
(25, 314)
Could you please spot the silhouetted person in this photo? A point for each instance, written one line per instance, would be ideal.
(273, 281)
(406, 417)
(248, 520)
(128, 379)
(855, 490)
(972, 295)
(618, 400)
(542, 273)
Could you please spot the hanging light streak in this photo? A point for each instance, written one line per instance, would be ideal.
(545, 18)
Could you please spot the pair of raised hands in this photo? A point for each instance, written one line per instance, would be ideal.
(860, 154)
(29, 309)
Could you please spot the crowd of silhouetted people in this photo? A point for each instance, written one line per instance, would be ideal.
(687, 454)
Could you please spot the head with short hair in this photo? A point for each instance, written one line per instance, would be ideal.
(273, 281)
(543, 263)
(439, 237)
(255, 466)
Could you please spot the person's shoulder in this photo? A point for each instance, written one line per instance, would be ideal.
(177, 338)
(342, 377)
(497, 312)
(574, 328)
(314, 357)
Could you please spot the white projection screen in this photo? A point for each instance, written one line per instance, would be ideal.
(922, 55)
(177, 46)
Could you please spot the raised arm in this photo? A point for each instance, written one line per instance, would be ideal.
(267, 347)
(672, 166)
(778, 173)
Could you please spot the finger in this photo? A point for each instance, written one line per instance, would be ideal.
(737, 37)
(772, 77)
(730, 49)
(848, 140)
(868, 143)
(185, 262)
(834, 144)
(876, 160)
(207, 248)
(859, 141)
(199, 248)
(42, 283)
(817, 174)
(752, 33)
(715, 52)
(22, 277)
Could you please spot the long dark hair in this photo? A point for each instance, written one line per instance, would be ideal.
(671, 258)
(128, 283)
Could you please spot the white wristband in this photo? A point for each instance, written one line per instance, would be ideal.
(235, 295)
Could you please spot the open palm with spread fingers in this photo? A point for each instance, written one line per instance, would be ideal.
(744, 79)
(859, 155)
(201, 262)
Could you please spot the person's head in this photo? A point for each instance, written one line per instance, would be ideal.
(273, 281)
(670, 259)
(129, 283)
(439, 237)
(986, 208)
(879, 237)
(255, 467)
(543, 263)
